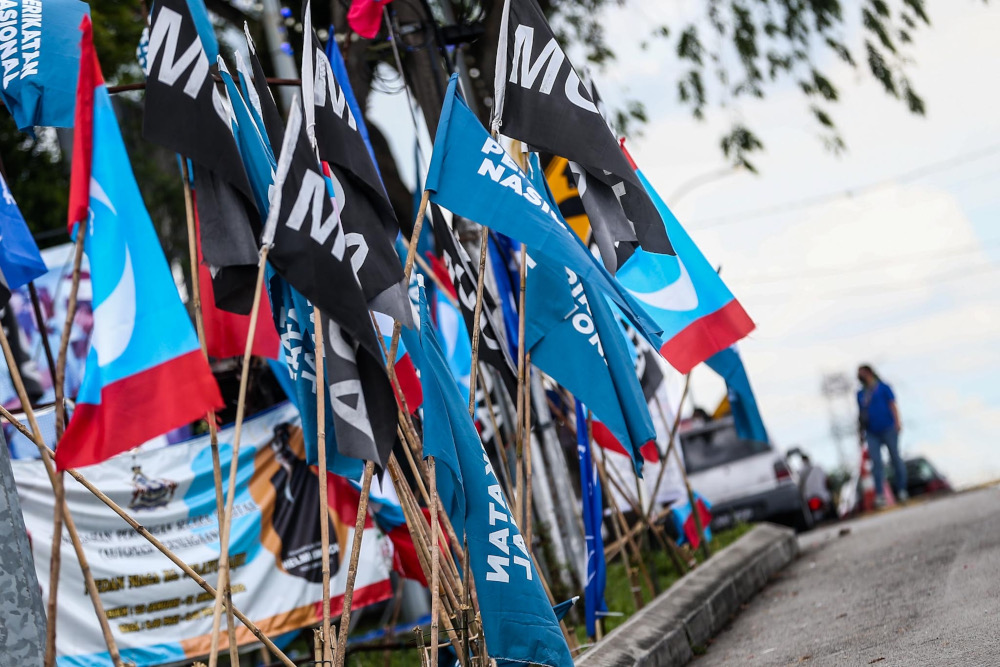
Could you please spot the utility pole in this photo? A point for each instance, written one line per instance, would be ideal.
(22, 628)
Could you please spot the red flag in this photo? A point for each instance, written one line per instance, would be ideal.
(365, 17)
(606, 440)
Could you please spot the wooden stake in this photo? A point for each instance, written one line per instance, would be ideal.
(528, 517)
(670, 444)
(435, 560)
(477, 314)
(352, 569)
(35, 435)
(324, 509)
(213, 429)
(226, 519)
(59, 384)
(137, 527)
(521, 390)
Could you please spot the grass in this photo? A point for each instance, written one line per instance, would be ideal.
(618, 595)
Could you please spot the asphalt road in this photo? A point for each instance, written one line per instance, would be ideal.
(919, 585)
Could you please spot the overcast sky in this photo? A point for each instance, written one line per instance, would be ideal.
(903, 275)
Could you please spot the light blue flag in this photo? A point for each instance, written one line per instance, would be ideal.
(593, 514)
(20, 261)
(40, 51)
(471, 175)
(518, 621)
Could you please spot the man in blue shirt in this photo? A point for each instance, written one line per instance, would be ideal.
(878, 423)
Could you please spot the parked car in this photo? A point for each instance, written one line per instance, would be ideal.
(922, 478)
(813, 484)
(744, 480)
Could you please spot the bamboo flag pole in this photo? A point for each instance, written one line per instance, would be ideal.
(705, 549)
(476, 317)
(137, 527)
(435, 560)
(352, 570)
(670, 445)
(35, 435)
(324, 508)
(226, 519)
(521, 392)
(58, 382)
(213, 430)
(526, 432)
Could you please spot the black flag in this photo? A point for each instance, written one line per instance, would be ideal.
(364, 406)
(309, 245)
(492, 348)
(368, 218)
(541, 101)
(186, 112)
(260, 95)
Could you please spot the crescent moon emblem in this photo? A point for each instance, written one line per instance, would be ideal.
(115, 317)
(679, 296)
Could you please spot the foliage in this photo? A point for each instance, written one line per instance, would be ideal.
(739, 49)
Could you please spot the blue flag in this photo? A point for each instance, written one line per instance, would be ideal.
(593, 514)
(742, 403)
(20, 261)
(518, 621)
(471, 175)
(41, 58)
(574, 337)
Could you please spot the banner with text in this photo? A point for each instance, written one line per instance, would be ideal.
(157, 614)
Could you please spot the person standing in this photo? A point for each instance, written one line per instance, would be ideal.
(879, 424)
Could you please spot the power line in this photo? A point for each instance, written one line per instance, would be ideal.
(816, 200)
(848, 269)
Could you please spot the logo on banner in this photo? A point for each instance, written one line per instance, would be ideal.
(551, 59)
(150, 494)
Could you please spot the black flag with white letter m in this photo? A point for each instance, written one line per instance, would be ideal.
(541, 101)
(308, 244)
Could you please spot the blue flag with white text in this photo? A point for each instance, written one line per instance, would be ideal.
(471, 175)
(746, 417)
(40, 52)
(518, 621)
(593, 514)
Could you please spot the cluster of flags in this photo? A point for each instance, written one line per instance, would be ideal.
(305, 196)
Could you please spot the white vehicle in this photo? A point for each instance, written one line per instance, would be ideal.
(743, 480)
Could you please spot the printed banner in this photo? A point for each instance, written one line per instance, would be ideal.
(157, 614)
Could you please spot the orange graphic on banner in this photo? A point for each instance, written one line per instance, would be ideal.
(563, 187)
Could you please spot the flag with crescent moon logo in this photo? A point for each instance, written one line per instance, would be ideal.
(685, 295)
(145, 372)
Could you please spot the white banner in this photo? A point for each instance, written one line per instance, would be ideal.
(157, 614)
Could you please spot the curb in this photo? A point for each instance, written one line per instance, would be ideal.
(667, 631)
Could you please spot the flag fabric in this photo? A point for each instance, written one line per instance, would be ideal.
(502, 262)
(686, 296)
(293, 317)
(471, 175)
(41, 60)
(20, 261)
(339, 68)
(518, 622)
(406, 371)
(464, 277)
(368, 218)
(261, 99)
(540, 100)
(593, 514)
(226, 332)
(684, 522)
(746, 417)
(365, 17)
(455, 340)
(186, 113)
(573, 336)
(309, 248)
(145, 372)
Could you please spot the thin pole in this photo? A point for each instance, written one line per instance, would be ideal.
(226, 518)
(43, 329)
(213, 430)
(435, 560)
(522, 372)
(411, 253)
(137, 527)
(352, 570)
(59, 384)
(528, 518)
(477, 313)
(36, 436)
(670, 444)
(324, 508)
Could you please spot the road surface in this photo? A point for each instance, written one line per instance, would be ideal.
(919, 585)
